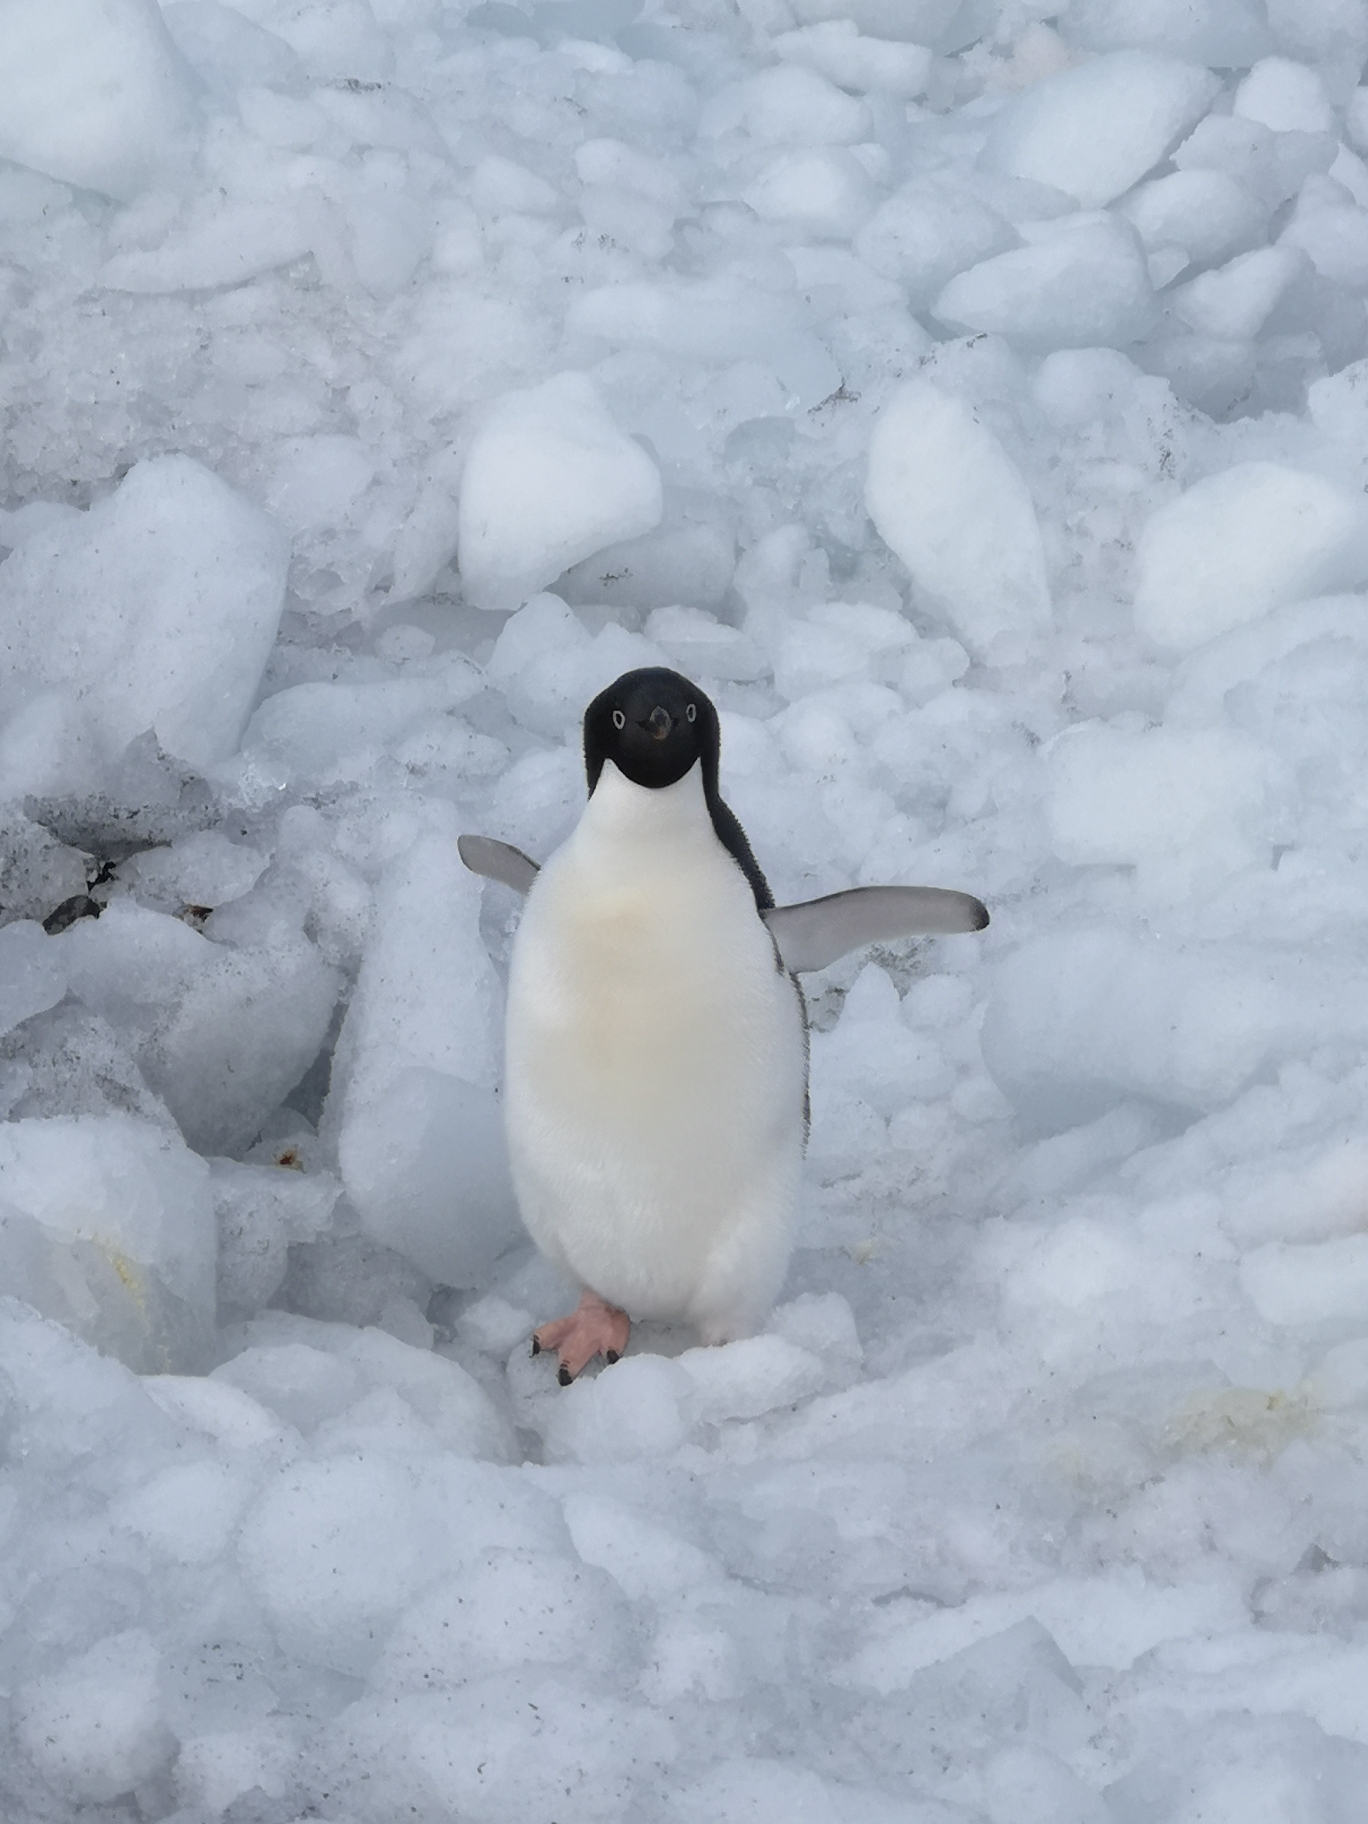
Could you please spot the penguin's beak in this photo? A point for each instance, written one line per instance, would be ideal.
(659, 723)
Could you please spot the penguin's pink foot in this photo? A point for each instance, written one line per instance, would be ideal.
(596, 1328)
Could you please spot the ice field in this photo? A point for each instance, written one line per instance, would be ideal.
(972, 396)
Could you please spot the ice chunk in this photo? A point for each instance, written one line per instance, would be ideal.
(746, 1791)
(840, 640)
(221, 1032)
(223, 1413)
(1227, 1766)
(927, 232)
(325, 731)
(1082, 1020)
(515, 1745)
(1324, 1285)
(549, 480)
(228, 50)
(37, 872)
(644, 1557)
(1184, 806)
(31, 975)
(1095, 130)
(351, 1279)
(744, 1379)
(205, 868)
(217, 242)
(189, 1511)
(549, 667)
(312, 1373)
(1234, 302)
(1083, 284)
(499, 185)
(316, 479)
(1338, 404)
(1206, 213)
(221, 1765)
(838, 50)
(788, 106)
(157, 610)
(1333, 234)
(905, 21)
(824, 190)
(94, 93)
(690, 557)
(96, 1728)
(1225, 34)
(504, 1610)
(644, 1406)
(1286, 96)
(336, 1550)
(419, 1138)
(1240, 543)
(261, 1210)
(944, 494)
(726, 315)
(298, 1383)
(1014, 1688)
(108, 1226)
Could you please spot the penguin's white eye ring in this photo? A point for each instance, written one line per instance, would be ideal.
(619, 720)
(691, 712)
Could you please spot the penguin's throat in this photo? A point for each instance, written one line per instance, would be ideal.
(638, 814)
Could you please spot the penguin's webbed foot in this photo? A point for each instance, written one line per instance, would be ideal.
(595, 1328)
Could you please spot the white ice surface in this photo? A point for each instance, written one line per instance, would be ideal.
(975, 402)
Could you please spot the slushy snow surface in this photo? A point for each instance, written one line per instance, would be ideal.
(973, 398)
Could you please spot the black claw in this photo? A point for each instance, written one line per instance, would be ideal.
(612, 1356)
(536, 1344)
(564, 1377)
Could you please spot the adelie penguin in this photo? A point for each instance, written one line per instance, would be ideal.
(656, 1054)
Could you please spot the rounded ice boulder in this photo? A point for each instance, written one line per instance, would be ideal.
(156, 610)
(1084, 285)
(549, 480)
(93, 93)
(1240, 543)
(1098, 128)
(949, 501)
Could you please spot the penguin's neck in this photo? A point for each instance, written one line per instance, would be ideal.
(621, 813)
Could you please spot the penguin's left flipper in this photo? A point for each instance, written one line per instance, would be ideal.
(497, 861)
(813, 934)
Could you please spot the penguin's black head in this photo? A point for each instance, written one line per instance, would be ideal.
(652, 725)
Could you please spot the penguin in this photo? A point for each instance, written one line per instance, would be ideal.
(656, 1056)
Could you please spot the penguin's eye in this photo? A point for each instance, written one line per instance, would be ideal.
(691, 713)
(619, 720)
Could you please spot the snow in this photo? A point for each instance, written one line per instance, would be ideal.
(976, 404)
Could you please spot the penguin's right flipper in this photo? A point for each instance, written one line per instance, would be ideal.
(814, 933)
(497, 861)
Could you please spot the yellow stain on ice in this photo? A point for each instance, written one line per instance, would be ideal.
(1241, 1421)
(129, 1276)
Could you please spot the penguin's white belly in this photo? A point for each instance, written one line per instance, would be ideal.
(655, 1081)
